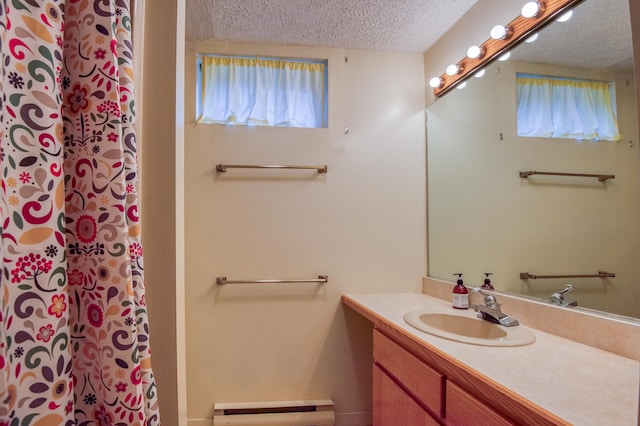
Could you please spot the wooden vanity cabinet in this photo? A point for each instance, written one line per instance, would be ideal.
(407, 391)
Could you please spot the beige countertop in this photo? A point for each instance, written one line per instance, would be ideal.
(579, 383)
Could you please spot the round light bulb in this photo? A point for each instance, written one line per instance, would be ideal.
(504, 57)
(435, 82)
(532, 38)
(499, 32)
(480, 73)
(531, 9)
(474, 52)
(461, 85)
(565, 16)
(452, 69)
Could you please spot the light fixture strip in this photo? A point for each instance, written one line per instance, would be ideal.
(521, 27)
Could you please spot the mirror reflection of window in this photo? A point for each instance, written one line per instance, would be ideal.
(558, 107)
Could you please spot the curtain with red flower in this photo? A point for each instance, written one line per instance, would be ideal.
(74, 339)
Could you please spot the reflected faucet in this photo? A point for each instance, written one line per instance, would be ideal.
(491, 311)
(558, 298)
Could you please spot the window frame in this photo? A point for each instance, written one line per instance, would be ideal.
(576, 80)
(311, 60)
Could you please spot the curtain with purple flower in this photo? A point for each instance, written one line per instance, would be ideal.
(74, 338)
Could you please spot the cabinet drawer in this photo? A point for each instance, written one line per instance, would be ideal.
(464, 409)
(420, 380)
(393, 406)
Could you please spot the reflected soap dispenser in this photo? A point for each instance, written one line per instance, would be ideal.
(460, 294)
(487, 282)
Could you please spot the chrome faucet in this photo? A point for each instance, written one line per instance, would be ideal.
(558, 298)
(491, 311)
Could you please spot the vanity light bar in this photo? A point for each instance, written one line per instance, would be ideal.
(517, 31)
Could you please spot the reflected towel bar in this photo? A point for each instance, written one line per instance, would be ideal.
(223, 280)
(600, 274)
(601, 178)
(221, 168)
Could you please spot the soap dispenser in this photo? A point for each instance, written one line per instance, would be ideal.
(460, 294)
(487, 282)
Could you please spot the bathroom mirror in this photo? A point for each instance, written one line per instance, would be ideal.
(485, 218)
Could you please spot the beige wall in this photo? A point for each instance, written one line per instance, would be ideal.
(634, 9)
(362, 224)
(484, 218)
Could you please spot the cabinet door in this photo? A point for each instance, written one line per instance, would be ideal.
(463, 409)
(420, 380)
(392, 406)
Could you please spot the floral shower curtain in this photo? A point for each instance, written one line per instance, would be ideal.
(74, 345)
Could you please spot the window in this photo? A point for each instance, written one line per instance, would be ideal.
(256, 91)
(557, 107)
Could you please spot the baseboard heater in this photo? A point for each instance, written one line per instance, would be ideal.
(277, 413)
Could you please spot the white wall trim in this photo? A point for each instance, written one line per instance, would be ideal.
(360, 418)
(179, 220)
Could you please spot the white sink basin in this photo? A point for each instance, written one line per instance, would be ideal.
(467, 329)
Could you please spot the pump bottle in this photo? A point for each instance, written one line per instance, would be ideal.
(460, 294)
(487, 282)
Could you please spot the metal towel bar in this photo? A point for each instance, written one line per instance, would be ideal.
(601, 178)
(223, 280)
(600, 274)
(221, 168)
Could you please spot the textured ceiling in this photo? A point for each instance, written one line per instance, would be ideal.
(390, 25)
